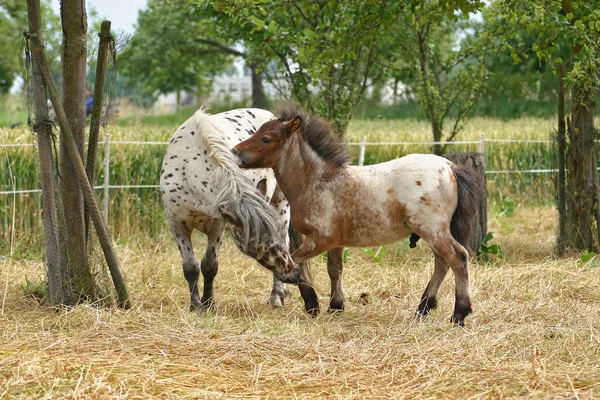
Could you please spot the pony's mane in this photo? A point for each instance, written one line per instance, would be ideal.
(234, 193)
(319, 134)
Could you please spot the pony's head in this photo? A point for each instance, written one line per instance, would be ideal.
(265, 246)
(265, 147)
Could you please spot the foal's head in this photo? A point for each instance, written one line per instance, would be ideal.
(264, 149)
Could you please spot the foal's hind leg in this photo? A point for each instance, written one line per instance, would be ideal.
(429, 298)
(335, 266)
(456, 257)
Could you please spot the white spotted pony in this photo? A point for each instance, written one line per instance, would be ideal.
(203, 188)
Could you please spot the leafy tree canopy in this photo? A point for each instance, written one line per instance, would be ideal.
(13, 22)
(326, 51)
(164, 55)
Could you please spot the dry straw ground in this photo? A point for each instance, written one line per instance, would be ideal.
(535, 331)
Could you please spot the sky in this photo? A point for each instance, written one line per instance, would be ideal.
(122, 13)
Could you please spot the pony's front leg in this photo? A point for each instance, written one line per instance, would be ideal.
(282, 208)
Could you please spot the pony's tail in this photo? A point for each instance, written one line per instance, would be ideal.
(235, 195)
(469, 196)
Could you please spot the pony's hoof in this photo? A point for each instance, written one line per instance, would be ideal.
(276, 301)
(202, 306)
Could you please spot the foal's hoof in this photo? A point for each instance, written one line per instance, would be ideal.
(201, 306)
(457, 321)
(461, 310)
(335, 307)
(426, 305)
(313, 312)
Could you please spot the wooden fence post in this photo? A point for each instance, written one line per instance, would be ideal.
(477, 161)
(361, 154)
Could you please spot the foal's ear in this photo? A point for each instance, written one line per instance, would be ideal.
(293, 125)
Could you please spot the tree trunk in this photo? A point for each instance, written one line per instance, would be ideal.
(582, 176)
(43, 129)
(477, 161)
(259, 99)
(74, 27)
(561, 179)
(437, 134)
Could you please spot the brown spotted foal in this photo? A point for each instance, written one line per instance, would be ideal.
(336, 205)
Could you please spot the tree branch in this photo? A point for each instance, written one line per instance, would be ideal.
(222, 47)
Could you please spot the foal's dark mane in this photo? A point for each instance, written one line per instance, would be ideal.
(318, 133)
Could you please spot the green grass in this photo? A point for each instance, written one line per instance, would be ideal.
(12, 111)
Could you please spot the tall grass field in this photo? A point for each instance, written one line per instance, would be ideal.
(139, 211)
(534, 333)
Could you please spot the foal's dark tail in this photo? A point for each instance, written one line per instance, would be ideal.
(469, 196)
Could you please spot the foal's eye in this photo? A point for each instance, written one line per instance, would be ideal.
(265, 139)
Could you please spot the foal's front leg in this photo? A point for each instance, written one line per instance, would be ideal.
(307, 250)
(335, 266)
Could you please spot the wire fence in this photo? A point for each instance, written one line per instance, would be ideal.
(363, 144)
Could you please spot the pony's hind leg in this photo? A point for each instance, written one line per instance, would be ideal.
(429, 298)
(191, 269)
(210, 262)
(335, 266)
(456, 257)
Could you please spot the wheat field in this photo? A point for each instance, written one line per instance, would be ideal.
(535, 331)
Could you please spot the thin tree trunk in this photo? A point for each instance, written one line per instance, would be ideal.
(43, 129)
(259, 99)
(561, 184)
(81, 177)
(74, 27)
(90, 167)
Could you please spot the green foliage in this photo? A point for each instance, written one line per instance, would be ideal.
(586, 256)
(327, 51)
(446, 77)
(36, 290)
(504, 209)
(324, 50)
(164, 56)
(378, 255)
(488, 249)
(554, 26)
